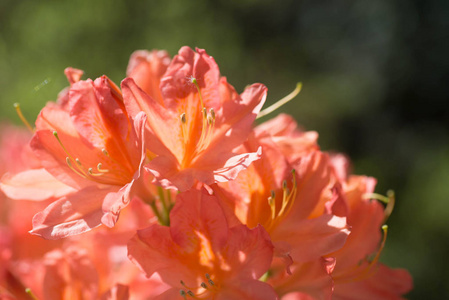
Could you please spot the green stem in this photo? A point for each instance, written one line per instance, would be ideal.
(156, 212)
(165, 210)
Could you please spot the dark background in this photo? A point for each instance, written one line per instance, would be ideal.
(374, 73)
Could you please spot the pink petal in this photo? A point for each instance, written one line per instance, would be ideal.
(73, 75)
(233, 166)
(366, 220)
(235, 119)
(249, 252)
(313, 173)
(175, 84)
(311, 278)
(159, 120)
(95, 112)
(310, 239)
(248, 290)
(33, 184)
(198, 211)
(385, 283)
(147, 69)
(153, 250)
(72, 214)
(69, 273)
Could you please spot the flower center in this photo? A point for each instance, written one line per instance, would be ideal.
(279, 212)
(207, 128)
(97, 174)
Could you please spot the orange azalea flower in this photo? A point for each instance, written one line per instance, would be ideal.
(192, 134)
(200, 256)
(358, 274)
(89, 143)
(262, 195)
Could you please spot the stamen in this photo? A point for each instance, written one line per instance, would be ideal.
(184, 127)
(390, 205)
(69, 163)
(22, 117)
(204, 286)
(55, 133)
(272, 203)
(106, 153)
(389, 200)
(191, 294)
(193, 80)
(30, 293)
(183, 294)
(376, 196)
(202, 143)
(368, 269)
(78, 168)
(100, 168)
(288, 198)
(281, 102)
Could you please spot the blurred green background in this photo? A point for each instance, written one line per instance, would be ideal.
(375, 77)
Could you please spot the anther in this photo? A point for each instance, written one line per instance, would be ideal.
(183, 127)
(195, 82)
(69, 163)
(191, 294)
(207, 276)
(203, 285)
(211, 282)
(105, 152)
(30, 293)
(212, 113)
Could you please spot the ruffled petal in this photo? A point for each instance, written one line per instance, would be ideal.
(72, 214)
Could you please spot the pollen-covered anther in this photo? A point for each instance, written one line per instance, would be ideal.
(204, 291)
(100, 168)
(183, 119)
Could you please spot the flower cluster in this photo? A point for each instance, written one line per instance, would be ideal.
(210, 205)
